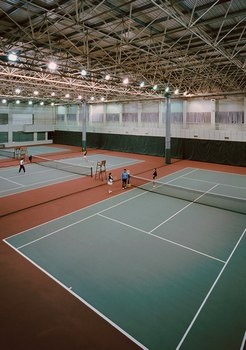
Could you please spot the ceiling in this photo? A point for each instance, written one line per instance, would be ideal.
(197, 46)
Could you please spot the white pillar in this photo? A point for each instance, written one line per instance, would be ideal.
(244, 109)
(184, 113)
(213, 110)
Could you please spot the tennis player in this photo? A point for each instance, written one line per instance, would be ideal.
(154, 176)
(22, 166)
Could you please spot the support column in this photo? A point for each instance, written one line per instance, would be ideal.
(184, 113)
(244, 109)
(168, 130)
(213, 110)
(83, 115)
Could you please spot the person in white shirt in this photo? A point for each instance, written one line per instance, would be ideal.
(110, 182)
(22, 166)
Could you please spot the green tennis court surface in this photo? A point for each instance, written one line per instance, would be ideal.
(37, 176)
(167, 272)
(32, 150)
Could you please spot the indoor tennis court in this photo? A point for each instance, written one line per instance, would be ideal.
(123, 175)
(44, 171)
(170, 262)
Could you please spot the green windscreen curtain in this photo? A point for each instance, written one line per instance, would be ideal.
(212, 151)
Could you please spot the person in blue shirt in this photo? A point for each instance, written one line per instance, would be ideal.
(124, 178)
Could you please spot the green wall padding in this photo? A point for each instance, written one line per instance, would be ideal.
(212, 151)
(221, 152)
(66, 138)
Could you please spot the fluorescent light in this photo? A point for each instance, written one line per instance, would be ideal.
(52, 65)
(12, 57)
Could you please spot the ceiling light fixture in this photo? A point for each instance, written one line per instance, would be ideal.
(125, 81)
(52, 65)
(12, 56)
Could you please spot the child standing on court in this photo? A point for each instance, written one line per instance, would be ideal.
(110, 182)
(22, 167)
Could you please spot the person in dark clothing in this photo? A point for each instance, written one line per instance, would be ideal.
(154, 176)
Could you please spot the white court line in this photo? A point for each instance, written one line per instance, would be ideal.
(74, 223)
(243, 342)
(210, 291)
(180, 176)
(8, 180)
(184, 208)
(69, 289)
(161, 238)
(45, 183)
(212, 182)
(218, 171)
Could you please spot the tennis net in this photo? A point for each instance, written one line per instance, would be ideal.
(206, 198)
(60, 165)
(7, 153)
